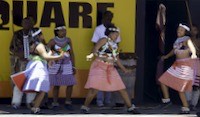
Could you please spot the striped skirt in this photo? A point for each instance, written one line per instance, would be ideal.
(104, 77)
(61, 74)
(180, 75)
(37, 77)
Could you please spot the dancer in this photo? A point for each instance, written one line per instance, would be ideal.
(62, 71)
(180, 75)
(103, 75)
(37, 75)
(103, 98)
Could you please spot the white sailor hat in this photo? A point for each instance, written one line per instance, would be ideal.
(185, 27)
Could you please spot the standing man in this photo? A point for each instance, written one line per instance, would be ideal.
(98, 34)
(19, 53)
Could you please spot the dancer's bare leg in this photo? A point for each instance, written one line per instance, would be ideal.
(165, 91)
(69, 90)
(125, 96)
(90, 96)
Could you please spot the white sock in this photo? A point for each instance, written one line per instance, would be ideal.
(185, 109)
(131, 108)
(167, 100)
(68, 102)
(85, 108)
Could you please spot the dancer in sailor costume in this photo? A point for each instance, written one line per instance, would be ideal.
(103, 76)
(181, 74)
(62, 72)
(37, 73)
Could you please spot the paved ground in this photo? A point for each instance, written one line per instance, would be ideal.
(97, 115)
(147, 111)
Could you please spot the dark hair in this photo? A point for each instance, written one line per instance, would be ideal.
(187, 33)
(107, 14)
(30, 20)
(107, 32)
(56, 31)
(36, 38)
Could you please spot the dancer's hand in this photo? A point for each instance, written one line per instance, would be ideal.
(62, 55)
(89, 57)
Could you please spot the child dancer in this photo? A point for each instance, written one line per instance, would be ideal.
(103, 75)
(180, 75)
(62, 72)
(37, 75)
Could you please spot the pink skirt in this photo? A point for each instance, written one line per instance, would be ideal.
(104, 77)
(180, 75)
